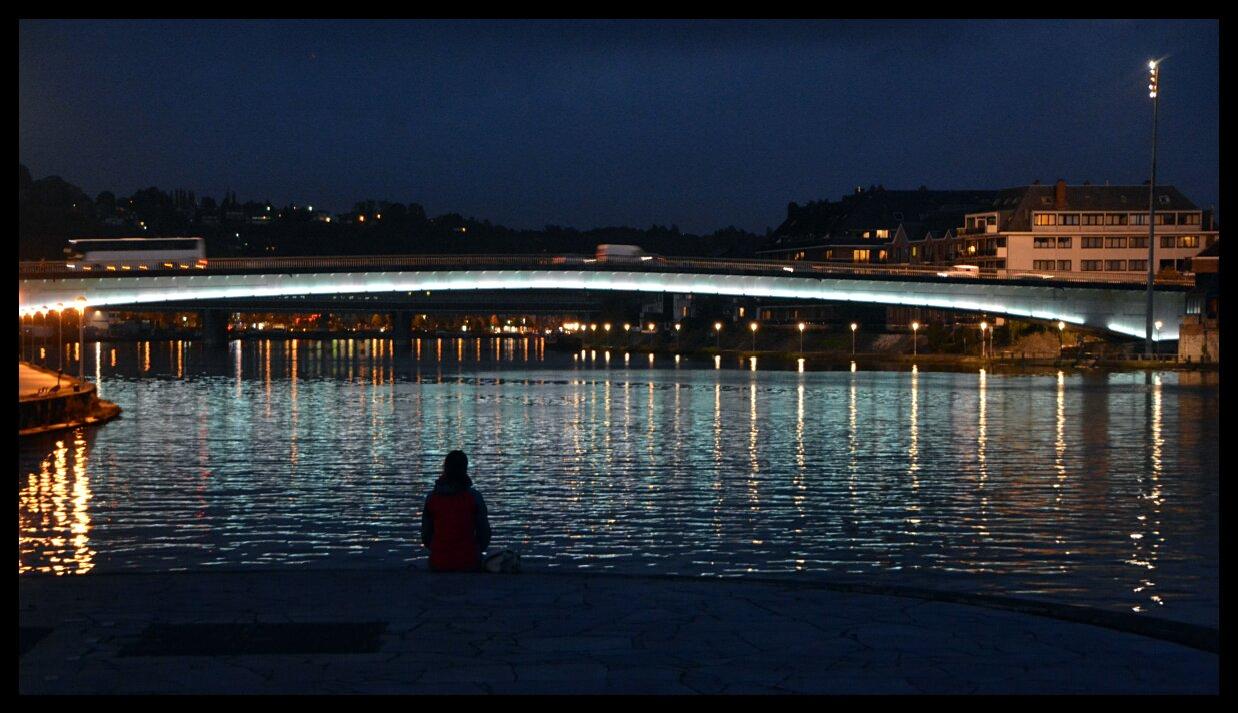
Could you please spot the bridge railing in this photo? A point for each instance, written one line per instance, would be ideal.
(652, 264)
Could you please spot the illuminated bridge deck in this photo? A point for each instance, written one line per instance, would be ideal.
(1115, 305)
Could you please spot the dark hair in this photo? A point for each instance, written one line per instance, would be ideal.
(456, 468)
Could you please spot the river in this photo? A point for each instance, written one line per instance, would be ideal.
(1097, 489)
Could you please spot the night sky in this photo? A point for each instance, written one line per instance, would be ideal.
(585, 124)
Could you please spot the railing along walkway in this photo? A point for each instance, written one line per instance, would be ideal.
(653, 264)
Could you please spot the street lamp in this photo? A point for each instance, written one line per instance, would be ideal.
(81, 339)
(627, 334)
(1061, 329)
(718, 336)
(606, 328)
(677, 328)
(59, 340)
(23, 312)
(1154, 76)
(1158, 326)
(801, 326)
(753, 327)
(854, 327)
(42, 312)
(915, 332)
(984, 326)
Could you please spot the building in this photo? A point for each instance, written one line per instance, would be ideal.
(1199, 335)
(870, 226)
(873, 226)
(1063, 229)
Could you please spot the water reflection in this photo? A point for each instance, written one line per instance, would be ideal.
(53, 508)
(285, 453)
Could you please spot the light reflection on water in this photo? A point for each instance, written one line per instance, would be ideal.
(1097, 489)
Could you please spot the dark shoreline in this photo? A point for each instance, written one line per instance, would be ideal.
(814, 360)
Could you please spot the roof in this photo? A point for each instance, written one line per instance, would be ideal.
(1016, 205)
(843, 222)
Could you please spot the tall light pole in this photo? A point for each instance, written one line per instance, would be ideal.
(1158, 326)
(915, 332)
(984, 327)
(606, 327)
(718, 336)
(627, 334)
(1061, 329)
(81, 339)
(753, 327)
(22, 333)
(1154, 72)
(854, 327)
(42, 341)
(678, 326)
(59, 341)
(801, 326)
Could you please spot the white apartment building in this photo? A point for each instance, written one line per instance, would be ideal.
(1083, 229)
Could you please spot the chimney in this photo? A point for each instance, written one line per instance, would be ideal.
(1059, 195)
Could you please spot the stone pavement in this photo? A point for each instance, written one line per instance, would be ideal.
(404, 631)
(29, 380)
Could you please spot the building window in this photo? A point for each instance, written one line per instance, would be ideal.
(1168, 241)
(1043, 242)
(1063, 242)
(1001, 264)
(1090, 265)
(1063, 265)
(1001, 242)
(883, 233)
(882, 256)
(1093, 218)
(1189, 219)
(1044, 264)
(1167, 264)
(829, 254)
(1091, 243)
(1068, 219)
(915, 251)
(1137, 265)
(1115, 266)
(860, 255)
(1115, 242)
(1164, 219)
(1115, 219)
(1188, 241)
(1045, 219)
(1139, 219)
(1140, 241)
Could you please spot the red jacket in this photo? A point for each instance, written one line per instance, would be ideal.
(455, 526)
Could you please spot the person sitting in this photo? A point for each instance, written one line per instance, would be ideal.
(454, 522)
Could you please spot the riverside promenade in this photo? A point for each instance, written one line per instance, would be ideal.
(408, 631)
(48, 402)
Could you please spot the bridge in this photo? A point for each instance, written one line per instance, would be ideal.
(1112, 305)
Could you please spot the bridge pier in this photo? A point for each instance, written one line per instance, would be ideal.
(214, 327)
(402, 328)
